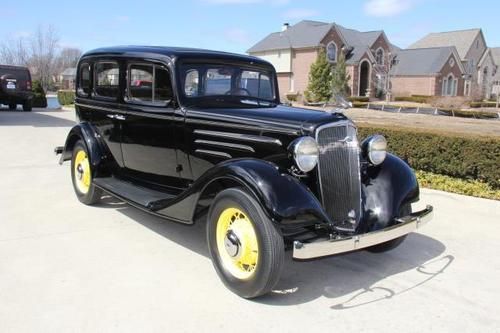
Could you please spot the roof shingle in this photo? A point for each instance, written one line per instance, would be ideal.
(461, 39)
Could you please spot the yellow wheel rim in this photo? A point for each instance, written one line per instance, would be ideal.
(82, 172)
(237, 243)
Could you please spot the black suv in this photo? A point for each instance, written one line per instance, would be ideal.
(185, 133)
(15, 87)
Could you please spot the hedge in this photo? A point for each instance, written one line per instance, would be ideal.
(359, 99)
(470, 158)
(483, 104)
(413, 98)
(39, 99)
(66, 97)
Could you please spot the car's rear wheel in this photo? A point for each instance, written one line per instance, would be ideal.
(246, 248)
(27, 106)
(12, 106)
(392, 244)
(81, 175)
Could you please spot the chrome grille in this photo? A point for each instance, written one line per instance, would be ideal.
(339, 171)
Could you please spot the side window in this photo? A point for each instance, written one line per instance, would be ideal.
(149, 84)
(106, 79)
(84, 81)
(256, 84)
(191, 83)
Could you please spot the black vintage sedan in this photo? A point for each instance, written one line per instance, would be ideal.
(186, 133)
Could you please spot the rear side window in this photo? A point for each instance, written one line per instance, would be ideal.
(84, 83)
(149, 84)
(106, 79)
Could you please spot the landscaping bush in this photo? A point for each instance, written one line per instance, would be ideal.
(359, 99)
(483, 104)
(359, 105)
(39, 99)
(470, 158)
(292, 97)
(414, 98)
(66, 97)
(448, 102)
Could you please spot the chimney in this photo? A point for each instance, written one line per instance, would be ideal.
(285, 26)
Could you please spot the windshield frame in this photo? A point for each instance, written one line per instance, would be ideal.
(226, 101)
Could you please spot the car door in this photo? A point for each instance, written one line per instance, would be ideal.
(149, 142)
(98, 102)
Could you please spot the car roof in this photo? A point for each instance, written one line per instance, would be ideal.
(175, 52)
(12, 67)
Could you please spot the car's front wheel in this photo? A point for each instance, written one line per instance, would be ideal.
(81, 175)
(246, 248)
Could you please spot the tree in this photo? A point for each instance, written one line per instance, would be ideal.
(319, 88)
(340, 78)
(68, 57)
(43, 48)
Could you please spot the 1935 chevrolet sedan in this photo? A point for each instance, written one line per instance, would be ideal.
(186, 133)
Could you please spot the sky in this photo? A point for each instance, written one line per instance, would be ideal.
(235, 25)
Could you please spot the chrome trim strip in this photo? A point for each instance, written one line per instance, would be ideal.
(238, 136)
(324, 248)
(238, 126)
(213, 153)
(103, 108)
(225, 144)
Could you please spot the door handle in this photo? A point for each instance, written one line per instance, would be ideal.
(116, 116)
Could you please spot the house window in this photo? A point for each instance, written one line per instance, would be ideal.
(331, 52)
(450, 85)
(379, 56)
(451, 62)
(467, 88)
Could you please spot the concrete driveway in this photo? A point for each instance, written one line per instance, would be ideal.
(66, 267)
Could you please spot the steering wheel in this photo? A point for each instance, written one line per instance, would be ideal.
(246, 92)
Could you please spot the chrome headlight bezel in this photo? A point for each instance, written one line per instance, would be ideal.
(305, 152)
(375, 149)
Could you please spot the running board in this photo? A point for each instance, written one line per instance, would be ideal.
(137, 195)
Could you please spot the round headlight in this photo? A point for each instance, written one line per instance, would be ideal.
(305, 153)
(375, 148)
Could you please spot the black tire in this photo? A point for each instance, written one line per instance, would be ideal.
(12, 107)
(27, 106)
(94, 194)
(392, 244)
(270, 245)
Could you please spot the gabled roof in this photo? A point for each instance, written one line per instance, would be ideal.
(495, 54)
(461, 39)
(303, 34)
(422, 62)
(310, 34)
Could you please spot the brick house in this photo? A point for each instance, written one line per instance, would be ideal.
(295, 48)
(435, 71)
(495, 88)
(474, 54)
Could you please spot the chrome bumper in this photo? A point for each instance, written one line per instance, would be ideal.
(323, 248)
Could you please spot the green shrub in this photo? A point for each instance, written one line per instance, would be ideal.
(292, 97)
(39, 99)
(414, 98)
(449, 184)
(471, 158)
(483, 104)
(66, 97)
(359, 105)
(359, 99)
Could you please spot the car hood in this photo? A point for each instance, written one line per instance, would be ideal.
(282, 118)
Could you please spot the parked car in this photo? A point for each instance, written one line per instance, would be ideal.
(210, 138)
(15, 87)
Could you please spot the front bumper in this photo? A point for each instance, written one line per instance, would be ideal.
(404, 226)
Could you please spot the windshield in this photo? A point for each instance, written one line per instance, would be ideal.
(209, 85)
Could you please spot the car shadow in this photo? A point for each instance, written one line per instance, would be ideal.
(34, 118)
(359, 276)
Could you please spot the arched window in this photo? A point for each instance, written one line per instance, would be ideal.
(331, 52)
(450, 85)
(379, 56)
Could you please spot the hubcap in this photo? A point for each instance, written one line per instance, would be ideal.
(237, 243)
(82, 172)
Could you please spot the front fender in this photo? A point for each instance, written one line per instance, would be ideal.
(387, 188)
(285, 199)
(85, 132)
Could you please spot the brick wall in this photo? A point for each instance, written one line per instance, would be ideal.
(413, 85)
(301, 63)
(445, 71)
(283, 84)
